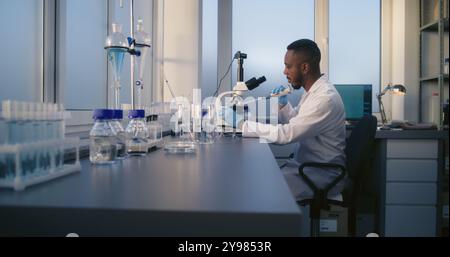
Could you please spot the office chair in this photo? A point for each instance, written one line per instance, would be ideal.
(358, 150)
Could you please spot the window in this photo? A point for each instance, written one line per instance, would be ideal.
(355, 43)
(22, 44)
(82, 59)
(263, 29)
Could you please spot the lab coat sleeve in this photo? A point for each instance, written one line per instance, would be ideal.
(309, 122)
(286, 113)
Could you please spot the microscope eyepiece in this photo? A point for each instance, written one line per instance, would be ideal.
(254, 83)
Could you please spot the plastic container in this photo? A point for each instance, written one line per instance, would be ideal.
(446, 114)
(155, 130)
(434, 108)
(137, 133)
(446, 66)
(103, 142)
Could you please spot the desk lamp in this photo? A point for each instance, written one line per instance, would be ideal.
(395, 89)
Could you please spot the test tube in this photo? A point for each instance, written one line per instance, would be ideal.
(2, 166)
(8, 159)
(32, 116)
(3, 128)
(25, 154)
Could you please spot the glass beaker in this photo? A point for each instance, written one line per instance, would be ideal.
(208, 129)
(184, 124)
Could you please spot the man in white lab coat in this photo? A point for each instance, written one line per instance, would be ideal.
(317, 123)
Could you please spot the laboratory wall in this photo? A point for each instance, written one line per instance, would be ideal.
(400, 53)
(182, 47)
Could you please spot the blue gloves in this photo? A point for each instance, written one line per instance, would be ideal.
(231, 118)
(282, 100)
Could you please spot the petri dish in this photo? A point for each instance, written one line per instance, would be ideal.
(180, 147)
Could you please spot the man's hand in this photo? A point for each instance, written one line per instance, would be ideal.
(282, 100)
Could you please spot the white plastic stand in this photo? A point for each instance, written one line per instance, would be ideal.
(15, 177)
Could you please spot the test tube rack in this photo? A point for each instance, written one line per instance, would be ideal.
(15, 158)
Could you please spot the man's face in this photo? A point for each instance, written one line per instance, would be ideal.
(295, 69)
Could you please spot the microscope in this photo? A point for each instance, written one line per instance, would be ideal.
(235, 100)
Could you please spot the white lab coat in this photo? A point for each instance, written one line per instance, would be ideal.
(318, 125)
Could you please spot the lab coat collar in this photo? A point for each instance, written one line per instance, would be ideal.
(317, 85)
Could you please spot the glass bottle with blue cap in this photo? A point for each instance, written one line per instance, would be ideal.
(119, 132)
(137, 133)
(103, 145)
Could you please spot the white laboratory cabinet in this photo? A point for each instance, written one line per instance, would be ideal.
(410, 166)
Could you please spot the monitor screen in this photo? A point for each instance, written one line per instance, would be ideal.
(357, 99)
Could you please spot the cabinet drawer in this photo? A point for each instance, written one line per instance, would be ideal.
(410, 221)
(412, 170)
(411, 193)
(400, 148)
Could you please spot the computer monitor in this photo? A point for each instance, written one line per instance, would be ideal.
(357, 99)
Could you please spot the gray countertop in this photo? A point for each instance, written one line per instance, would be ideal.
(232, 187)
(411, 134)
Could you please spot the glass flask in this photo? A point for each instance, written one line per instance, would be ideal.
(116, 46)
(142, 44)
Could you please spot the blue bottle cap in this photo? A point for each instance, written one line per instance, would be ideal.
(136, 114)
(117, 114)
(153, 117)
(102, 114)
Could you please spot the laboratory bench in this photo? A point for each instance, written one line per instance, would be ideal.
(230, 188)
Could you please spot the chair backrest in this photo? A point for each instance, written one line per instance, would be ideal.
(359, 146)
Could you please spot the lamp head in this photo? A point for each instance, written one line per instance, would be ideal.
(398, 89)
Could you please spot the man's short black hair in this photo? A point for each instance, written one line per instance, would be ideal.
(309, 49)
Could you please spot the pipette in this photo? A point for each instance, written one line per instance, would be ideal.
(286, 91)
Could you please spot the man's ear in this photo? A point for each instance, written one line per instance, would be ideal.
(305, 68)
